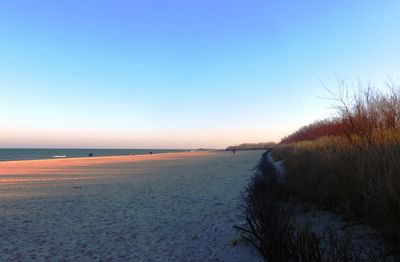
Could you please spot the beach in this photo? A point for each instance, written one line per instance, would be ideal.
(160, 207)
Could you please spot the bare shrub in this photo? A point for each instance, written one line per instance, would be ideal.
(361, 116)
(351, 163)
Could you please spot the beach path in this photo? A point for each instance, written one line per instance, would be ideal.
(163, 207)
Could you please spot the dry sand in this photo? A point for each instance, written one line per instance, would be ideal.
(163, 207)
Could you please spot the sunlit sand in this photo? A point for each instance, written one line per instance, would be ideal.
(175, 206)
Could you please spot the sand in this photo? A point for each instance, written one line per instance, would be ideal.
(163, 207)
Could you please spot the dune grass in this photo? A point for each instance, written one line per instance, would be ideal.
(349, 164)
(363, 184)
(352, 164)
(272, 229)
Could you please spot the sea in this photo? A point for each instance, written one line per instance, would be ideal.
(8, 154)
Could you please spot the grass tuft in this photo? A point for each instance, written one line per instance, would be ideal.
(272, 230)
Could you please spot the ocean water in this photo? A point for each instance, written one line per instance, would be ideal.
(7, 154)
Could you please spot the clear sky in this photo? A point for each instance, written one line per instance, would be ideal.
(182, 74)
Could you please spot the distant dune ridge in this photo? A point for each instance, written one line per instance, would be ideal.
(251, 146)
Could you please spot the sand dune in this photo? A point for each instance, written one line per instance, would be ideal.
(166, 207)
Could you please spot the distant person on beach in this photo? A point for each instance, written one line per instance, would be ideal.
(151, 153)
(234, 151)
(90, 155)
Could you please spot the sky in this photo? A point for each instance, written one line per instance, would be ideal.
(180, 73)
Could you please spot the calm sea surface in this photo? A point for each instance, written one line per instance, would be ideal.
(25, 154)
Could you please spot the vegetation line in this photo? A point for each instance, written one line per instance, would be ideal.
(348, 164)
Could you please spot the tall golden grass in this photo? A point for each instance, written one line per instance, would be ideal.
(272, 230)
(355, 168)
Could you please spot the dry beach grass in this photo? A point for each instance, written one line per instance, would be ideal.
(355, 167)
(347, 165)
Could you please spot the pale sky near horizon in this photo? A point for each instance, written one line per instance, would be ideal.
(182, 74)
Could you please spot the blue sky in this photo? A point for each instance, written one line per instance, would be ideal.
(182, 74)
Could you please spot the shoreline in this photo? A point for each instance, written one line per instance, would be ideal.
(37, 166)
(66, 154)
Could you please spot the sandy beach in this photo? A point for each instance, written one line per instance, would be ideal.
(160, 207)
